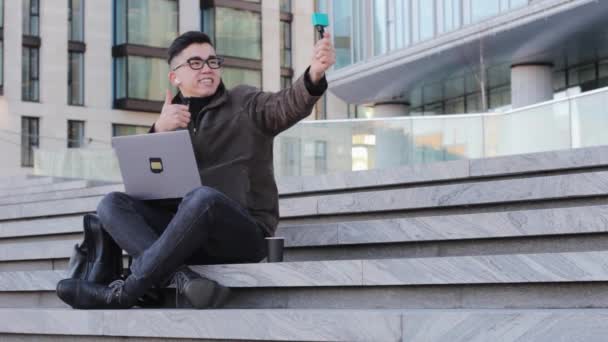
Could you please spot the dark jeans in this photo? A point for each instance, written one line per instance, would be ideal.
(206, 228)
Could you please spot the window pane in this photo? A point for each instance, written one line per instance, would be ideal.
(603, 74)
(559, 80)
(455, 106)
(1, 63)
(580, 75)
(147, 22)
(238, 33)
(147, 78)
(499, 75)
(29, 139)
(121, 77)
(474, 103)
(285, 5)
(402, 23)
(76, 20)
(121, 130)
(1, 13)
(76, 78)
(500, 97)
(30, 18)
(451, 15)
(454, 87)
(30, 85)
(380, 21)
(75, 134)
(285, 44)
(322, 6)
(482, 9)
(426, 19)
(518, 3)
(342, 31)
(233, 77)
(208, 18)
(285, 82)
(121, 21)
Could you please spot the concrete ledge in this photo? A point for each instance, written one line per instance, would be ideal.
(489, 269)
(314, 325)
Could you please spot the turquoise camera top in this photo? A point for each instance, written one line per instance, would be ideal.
(320, 19)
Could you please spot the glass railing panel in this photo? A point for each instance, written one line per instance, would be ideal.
(443, 138)
(92, 164)
(321, 147)
(535, 129)
(589, 120)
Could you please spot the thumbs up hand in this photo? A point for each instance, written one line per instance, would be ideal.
(172, 116)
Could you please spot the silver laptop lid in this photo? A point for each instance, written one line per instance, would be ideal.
(157, 166)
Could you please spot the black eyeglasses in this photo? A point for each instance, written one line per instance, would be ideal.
(197, 63)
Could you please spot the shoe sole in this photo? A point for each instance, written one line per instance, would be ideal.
(205, 293)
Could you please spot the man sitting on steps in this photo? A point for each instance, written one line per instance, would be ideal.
(227, 219)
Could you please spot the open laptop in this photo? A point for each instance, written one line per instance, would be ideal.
(157, 166)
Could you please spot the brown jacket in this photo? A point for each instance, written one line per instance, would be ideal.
(233, 142)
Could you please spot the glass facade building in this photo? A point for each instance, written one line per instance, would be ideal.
(476, 77)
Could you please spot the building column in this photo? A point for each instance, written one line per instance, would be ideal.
(392, 144)
(271, 45)
(189, 15)
(531, 83)
(391, 109)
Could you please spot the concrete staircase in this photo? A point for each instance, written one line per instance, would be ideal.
(511, 248)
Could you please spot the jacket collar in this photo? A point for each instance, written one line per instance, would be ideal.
(220, 96)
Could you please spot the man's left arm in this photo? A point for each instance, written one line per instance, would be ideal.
(275, 112)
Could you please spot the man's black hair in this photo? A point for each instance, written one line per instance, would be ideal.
(185, 40)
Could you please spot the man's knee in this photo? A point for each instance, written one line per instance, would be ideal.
(110, 201)
(204, 194)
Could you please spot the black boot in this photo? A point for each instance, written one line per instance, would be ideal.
(201, 293)
(81, 294)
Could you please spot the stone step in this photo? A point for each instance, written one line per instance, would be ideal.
(491, 192)
(8, 180)
(475, 193)
(306, 325)
(41, 226)
(579, 219)
(20, 183)
(65, 194)
(44, 188)
(543, 162)
(558, 280)
(462, 270)
(45, 254)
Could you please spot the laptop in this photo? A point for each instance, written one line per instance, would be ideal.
(157, 166)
